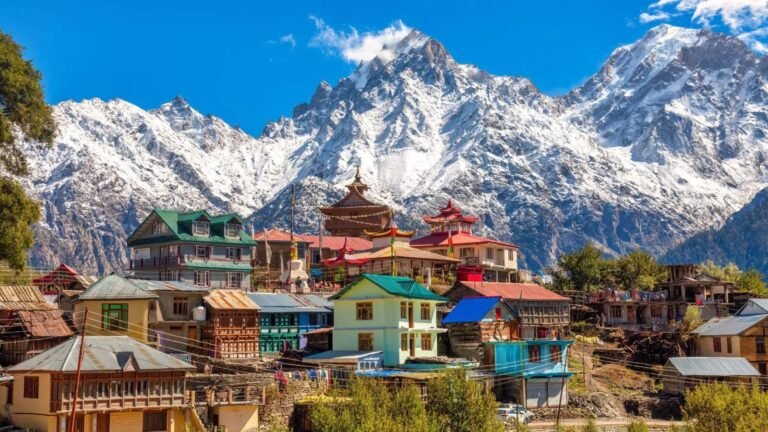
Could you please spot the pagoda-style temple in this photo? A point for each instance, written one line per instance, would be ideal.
(354, 213)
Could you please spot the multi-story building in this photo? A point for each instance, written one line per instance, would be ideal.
(177, 317)
(287, 318)
(355, 213)
(394, 315)
(125, 386)
(482, 258)
(232, 328)
(194, 247)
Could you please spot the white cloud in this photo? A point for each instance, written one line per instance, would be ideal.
(356, 47)
(744, 18)
(646, 17)
(289, 39)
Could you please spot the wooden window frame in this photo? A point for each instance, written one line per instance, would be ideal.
(534, 353)
(717, 344)
(111, 323)
(728, 345)
(197, 230)
(360, 311)
(230, 226)
(403, 310)
(760, 345)
(207, 277)
(31, 387)
(365, 342)
(403, 341)
(181, 306)
(613, 309)
(555, 353)
(425, 307)
(426, 337)
(238, 279)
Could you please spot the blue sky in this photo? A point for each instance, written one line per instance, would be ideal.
(251, 62)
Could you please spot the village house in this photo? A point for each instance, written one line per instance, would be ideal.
(279, 244)
(743, 335)
(63, 278)
(394, 315)
(116, 306)
(195, 248)
(635, 308)
(177, 317)
(287, 318)
(481, 258)
(353, 214)
(30, 324)
(232, 329)
(683, 373)
(125, 386)
(688, 286)
(530, 365)
(476, 320)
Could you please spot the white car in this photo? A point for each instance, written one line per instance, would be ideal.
(514, 411)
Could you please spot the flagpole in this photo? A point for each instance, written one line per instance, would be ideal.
(392, 230)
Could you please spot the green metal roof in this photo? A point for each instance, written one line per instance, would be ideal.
(180, 225)
(114, 287)
(218, 265)
(396, 286)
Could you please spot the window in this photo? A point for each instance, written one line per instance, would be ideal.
(615, 311)
(180, 306)
(202, 251)
(728, 345)
(202, 278)
(466, 252)
(365, 341)
(761, 367)
(234, 279)
(31, 387)
(232, 230)
(364, 311)
(655, 311)
(716, 345)
(155, 421)
(114, 316)
(159, 228)
(498, 314)
(201, 228)
(760, 345)
(403, 310)
(426, 341)
(426, 311)
(403, 341)
(489, 254)
(534, 353)
(169, 276)
(511, 254)
(234, 253)
(555, 353)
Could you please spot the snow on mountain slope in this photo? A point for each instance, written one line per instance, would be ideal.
(666, 140)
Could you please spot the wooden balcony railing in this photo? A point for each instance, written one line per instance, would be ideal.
(154, 262)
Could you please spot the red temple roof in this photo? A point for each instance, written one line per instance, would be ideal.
(337, 242)
(458, 239)
(450, 213)
(344, 258)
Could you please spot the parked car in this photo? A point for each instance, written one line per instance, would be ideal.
(514, 412)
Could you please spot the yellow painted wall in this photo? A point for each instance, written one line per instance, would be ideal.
(707, 348)
(138, 318)
(126, 421)
(243, 418)
(39, 422)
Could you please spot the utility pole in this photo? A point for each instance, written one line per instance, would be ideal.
(77, 375)
(562, 385)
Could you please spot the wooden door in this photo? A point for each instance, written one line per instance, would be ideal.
(191, 338)
(102, 422)
(410, 315)
(412, 345)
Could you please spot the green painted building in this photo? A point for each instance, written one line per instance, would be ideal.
(195, 247)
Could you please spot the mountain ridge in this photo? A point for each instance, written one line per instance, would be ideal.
(664, 141)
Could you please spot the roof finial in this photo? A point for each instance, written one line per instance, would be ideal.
(357, 174)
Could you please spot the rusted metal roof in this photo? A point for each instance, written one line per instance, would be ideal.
(152, 285)
(44, 323)
(230, 299)
(114, 287)
(18, 297)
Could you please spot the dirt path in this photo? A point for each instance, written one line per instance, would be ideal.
(550, 425)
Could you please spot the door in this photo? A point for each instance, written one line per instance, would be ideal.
(191, 338)
(536, 394)
(102, 422)
(412, 345)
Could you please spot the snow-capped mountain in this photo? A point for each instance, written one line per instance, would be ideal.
(666, 140)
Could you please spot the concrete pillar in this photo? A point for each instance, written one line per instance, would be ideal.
(94, 422)
(62, 423)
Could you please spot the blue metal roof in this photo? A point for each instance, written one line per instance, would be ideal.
(471, 310)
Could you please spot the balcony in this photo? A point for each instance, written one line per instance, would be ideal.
(156, 262)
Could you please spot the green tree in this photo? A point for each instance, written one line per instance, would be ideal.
(585, 269)
(722, 408)
(17, 214)
(729, 273)
(639, 269)
(22, 107)
(458, 404)
(751, 281)
(691, 320)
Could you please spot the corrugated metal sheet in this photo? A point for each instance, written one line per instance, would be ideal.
(403, 252)
(17, 297)
(44, 323)
(114, 287)
(713, 366)
(102, 354)
(471, 310)
(230, 299)
(287, 303)
(172, 286)
(514, 291)
(730, 326)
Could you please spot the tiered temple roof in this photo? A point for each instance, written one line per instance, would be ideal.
(354, 213)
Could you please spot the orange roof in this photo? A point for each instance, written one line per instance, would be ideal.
(277, 236)
(406, 252)
(230, 299)
(458, 238)
(337, 242)
(44, 323)
(514, 291)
